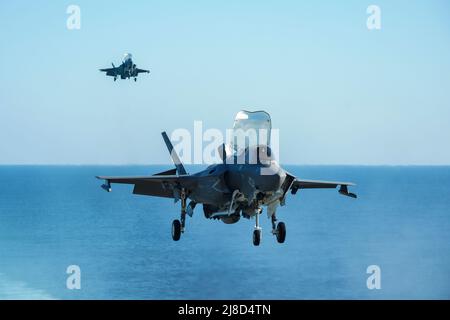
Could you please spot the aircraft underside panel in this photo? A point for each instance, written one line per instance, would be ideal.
(153, 189)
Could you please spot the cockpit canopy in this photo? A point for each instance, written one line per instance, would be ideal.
(251, 129)
(251, 137)
(127, 56)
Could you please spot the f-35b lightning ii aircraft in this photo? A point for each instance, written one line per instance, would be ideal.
(126, 70)
(235, 188)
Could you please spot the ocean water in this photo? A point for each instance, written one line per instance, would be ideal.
(55, 216)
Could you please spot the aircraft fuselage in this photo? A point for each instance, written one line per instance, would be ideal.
(239, 188)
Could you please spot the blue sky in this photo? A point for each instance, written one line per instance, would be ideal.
(339, 93)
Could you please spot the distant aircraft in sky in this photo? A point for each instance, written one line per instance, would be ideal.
(234, 188)
(126, 70)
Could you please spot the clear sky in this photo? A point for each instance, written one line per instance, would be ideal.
(338, 92)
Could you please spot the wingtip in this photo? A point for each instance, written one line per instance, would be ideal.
(344, 191)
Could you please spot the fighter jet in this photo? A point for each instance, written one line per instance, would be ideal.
(247, 179)
(126, 70)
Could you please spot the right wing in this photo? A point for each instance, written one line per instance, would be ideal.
(160, 185)
(142, 71)
(319, 184)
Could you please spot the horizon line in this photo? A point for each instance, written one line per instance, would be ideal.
(171, 164)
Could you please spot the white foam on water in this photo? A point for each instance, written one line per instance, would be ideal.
(17, 290)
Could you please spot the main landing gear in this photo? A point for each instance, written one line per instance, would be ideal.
(176, 230)
(278, 229)
(178, 225)
(257, 231)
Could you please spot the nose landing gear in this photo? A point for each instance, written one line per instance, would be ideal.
(278, 229)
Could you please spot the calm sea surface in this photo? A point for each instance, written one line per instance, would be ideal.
(55, 216)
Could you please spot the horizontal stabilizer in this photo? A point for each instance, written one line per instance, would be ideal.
(170, 172)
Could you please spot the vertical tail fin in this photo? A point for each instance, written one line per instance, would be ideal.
(176, 160)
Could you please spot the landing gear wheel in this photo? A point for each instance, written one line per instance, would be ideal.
(176, 230)
(256, 237)
(281, 232)
(135, 79)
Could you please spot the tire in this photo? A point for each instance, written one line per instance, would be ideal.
(256, 237)
(281, 232)
(176, 230)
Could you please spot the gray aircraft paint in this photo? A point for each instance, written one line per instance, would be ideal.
(227, 191)
(126, 70)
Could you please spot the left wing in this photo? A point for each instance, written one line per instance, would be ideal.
(317, 184)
